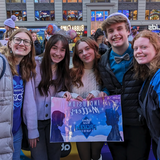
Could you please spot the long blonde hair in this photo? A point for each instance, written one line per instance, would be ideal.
(10, 57)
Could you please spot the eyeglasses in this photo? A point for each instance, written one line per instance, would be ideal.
(18, 40)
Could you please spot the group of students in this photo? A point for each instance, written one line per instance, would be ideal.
(29, 82)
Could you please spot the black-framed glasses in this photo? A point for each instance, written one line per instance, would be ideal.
(18, 40)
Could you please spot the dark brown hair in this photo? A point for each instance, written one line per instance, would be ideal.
(62, 81)
(78, 67)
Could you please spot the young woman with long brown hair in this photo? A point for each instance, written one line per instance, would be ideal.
(86, 84)
(20, 54)
(52, 78)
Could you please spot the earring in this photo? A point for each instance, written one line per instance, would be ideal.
(10, 51)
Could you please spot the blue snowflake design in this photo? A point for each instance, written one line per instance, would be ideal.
(86, 127)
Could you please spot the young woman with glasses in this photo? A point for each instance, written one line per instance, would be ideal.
(20, 54)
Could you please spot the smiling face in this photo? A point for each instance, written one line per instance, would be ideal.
(20, 50)
(57, 52)
(86, 54)
(144, 51)
(118, 35)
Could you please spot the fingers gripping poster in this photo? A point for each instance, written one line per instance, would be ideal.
(95, 120)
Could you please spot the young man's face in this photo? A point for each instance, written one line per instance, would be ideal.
(117, 35)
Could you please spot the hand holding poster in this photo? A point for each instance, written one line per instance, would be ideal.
(94, 120)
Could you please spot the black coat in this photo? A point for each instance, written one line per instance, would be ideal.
(128, 90)
(37, 46)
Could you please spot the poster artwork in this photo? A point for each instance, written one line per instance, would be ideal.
(86, 121)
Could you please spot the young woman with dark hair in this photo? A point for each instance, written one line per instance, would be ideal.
(52, 78)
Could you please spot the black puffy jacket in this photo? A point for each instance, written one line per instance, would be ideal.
(102, 48)
(128, 90)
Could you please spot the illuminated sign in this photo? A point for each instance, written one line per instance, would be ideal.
(153, 27)
(76, 28)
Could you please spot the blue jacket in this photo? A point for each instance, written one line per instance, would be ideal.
(151, 108)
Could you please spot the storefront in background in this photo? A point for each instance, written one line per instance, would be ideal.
(81, 30)
(97, 17)
(140, 27)
(154, 28)
(40, 33)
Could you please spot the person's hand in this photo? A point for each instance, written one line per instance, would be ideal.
(33, 142)
(90, 96)
(102, 94)
(67, 95)
(79, 98)
(7, 39)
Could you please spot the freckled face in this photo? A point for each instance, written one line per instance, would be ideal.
(144, 51)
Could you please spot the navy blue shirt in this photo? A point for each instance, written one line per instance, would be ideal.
(18, 90)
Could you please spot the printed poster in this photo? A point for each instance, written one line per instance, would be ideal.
(87, 121)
